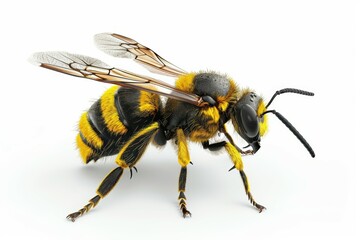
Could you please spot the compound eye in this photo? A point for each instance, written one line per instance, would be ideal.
(249, 120)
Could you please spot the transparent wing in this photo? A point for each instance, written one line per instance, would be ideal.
(124, 47)
(94, 69)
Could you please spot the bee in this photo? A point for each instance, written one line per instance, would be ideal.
(131, 115)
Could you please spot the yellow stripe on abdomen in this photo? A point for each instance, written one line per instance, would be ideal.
(85, 151)
(89, 133)
(109, 112)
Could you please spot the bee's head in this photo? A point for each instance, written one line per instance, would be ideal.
(250, 120)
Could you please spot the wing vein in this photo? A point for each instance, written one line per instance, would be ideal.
(93, 69)
(140, 53)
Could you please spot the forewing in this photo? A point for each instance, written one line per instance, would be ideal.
(94, 69)
(124, 47)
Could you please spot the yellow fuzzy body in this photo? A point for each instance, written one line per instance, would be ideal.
(148, 103)
(212, 113)
(93, 142)
(85, 151)
(109, 112)
(203, 133)
(186, 82)
(88, 132)
(102, 121)
(206, 123)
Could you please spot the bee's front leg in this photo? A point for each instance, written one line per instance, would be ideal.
(238, 164)
(235, 155)
(220, 145)
(228, 136)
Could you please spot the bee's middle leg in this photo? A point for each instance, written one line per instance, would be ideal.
(184, 160)
(182, 198)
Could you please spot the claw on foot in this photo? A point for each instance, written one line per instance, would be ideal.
(185, 212)
(247, 152)
(255, 204)
(131, 173)
(73, 216)
(260, 208)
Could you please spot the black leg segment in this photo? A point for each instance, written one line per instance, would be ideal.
(248, 193)
(105, 187)
(182, 198)
(214, 146)
(110, 181)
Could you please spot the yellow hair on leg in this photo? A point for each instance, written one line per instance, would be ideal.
(235, 156)
(183, 151)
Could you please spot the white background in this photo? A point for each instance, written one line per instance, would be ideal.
(265, 45)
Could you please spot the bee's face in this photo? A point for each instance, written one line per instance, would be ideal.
(247, 119)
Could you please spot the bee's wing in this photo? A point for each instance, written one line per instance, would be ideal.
(94, 69)
(120, 46)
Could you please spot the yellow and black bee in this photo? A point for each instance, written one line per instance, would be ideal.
(130, 115)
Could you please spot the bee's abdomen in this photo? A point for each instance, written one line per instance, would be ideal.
(113, 119)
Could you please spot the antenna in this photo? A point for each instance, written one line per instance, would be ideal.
(293, 130)
(289, 90)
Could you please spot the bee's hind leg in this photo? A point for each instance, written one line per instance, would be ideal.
(128, 156)
(105, 187)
